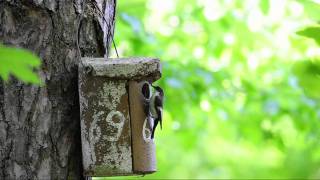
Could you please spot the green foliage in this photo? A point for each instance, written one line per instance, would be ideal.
(242, 89)
(20, 63)
(265, 5)
(308, 71)
(309, 77)
(311, 32)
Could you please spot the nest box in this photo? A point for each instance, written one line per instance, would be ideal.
(115, 132)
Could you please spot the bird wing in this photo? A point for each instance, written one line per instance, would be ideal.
(159, 104)
(158, 101)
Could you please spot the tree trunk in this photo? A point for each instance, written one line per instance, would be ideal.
(39, 126)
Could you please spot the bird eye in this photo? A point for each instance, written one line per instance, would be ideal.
(146, 90)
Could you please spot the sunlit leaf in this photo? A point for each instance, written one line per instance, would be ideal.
(311, 32)
(20, 63)
(311, 8)
(264, 5)
(308, 73)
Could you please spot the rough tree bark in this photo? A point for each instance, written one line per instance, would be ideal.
(39, 126)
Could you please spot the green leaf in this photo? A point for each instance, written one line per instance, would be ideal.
(308, 73)
(20, 63)
(311, 32)
(311, 9)
(265, 5)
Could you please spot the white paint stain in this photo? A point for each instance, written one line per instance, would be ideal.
(146, 131)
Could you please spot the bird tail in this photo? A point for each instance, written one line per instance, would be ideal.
(154, 128)
(152, 133)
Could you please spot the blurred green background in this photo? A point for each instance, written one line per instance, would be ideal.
(241, 86)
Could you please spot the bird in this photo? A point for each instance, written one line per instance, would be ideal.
(155, 107)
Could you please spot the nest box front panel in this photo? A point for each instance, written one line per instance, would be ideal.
(107, 143)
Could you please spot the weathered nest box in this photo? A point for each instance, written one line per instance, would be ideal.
(115, 131)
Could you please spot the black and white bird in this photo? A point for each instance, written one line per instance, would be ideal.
(155, 107)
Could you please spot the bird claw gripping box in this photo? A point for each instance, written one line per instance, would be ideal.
(115, 131)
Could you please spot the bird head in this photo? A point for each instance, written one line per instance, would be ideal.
(158, 89)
